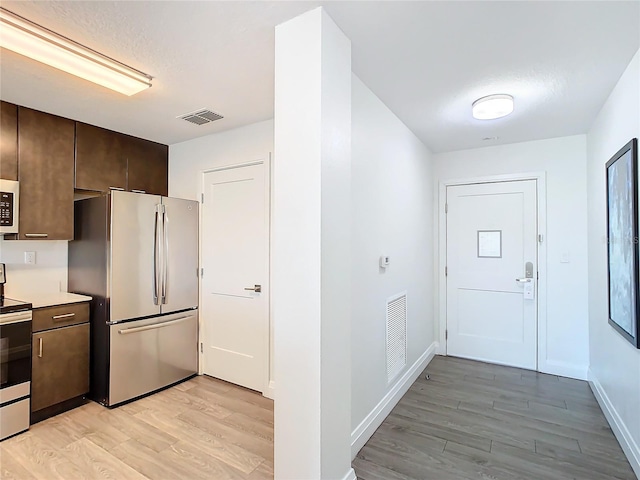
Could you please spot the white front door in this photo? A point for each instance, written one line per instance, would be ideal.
(491, 250)
(235, 257)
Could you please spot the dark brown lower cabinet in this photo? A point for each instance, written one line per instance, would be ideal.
(60, 369)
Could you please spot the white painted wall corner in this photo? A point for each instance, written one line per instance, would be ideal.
(271, 390)
(620, 430)
(370, 424)
(351, 475)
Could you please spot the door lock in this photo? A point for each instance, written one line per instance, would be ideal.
(255, 288)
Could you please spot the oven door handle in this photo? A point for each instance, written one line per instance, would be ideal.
(15, 317)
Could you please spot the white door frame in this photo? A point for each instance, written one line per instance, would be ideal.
(268, 388)
(441, 260)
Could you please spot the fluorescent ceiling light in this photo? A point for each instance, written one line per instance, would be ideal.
(492, 106)
(33, 41)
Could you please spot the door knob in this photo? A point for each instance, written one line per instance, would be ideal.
(255, 288)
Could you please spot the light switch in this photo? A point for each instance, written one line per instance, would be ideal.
(564, 256)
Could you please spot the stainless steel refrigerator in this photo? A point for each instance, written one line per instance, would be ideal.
(137, 256)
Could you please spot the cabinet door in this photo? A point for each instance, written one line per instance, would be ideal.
(60, 365)
(147, 166)
(45, 153)
(99, 161)
(8, 141)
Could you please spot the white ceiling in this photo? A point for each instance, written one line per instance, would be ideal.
(427, 61)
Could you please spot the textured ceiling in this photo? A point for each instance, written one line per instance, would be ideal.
(427, 61)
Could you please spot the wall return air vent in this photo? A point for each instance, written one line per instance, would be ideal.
(201, 117)
(396, 335)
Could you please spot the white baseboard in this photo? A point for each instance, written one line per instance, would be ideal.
(620, 430)
(564, 369)
(270, 392)
(370, 424)
(351, 475)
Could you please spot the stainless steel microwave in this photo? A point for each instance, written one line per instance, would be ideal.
(9, 207)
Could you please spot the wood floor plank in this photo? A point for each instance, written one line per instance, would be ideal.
(526, 427)
(223, 401)
(196, 464)
(96, 463)
(444, 433)
(193, 400)
(373, 471)
(238, 457)
(606, 466)
(487, 465)
(264, 471)
(147, 439)
(11, 469)
(145, 434)
(146, 461)
(40, 459)
(499, 423)
(97, 430)
(558, 467)
(253, 426)
(215, 427)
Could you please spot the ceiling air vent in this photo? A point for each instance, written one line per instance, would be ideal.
(201, 117)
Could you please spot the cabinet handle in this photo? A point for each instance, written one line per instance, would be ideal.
(36, 235)
(117, 188)
(66, 315)
(138, 191)
(40, 348)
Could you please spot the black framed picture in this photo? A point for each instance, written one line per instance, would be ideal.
(622, 242)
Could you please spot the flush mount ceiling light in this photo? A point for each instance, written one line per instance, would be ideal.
(26, 38)
(492, 106)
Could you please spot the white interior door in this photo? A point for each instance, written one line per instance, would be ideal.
(491, 304)
(235, 223)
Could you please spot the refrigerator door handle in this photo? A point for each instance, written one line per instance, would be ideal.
(156, 258)
(165, 251)
(154, 326)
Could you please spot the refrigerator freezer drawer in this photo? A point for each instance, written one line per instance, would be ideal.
(149, 354)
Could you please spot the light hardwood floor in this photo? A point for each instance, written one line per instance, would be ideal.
(200, 429)
(474, 420)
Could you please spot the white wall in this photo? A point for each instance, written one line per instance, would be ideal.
(188, 160)
(311, 249)
(48, 275)
(615, 363)
(392, 214)
(564, 161)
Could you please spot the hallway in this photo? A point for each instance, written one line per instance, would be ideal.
(474, 420)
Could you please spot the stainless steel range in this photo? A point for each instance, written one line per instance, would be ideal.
(15, 366)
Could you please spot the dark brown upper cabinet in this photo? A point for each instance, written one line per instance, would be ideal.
(147, 166)
(45, 152)
(107, 160)
(8, 141)
(100, 164)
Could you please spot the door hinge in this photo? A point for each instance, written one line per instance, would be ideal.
(446, 271)
(201, 348)
(446, 334)
(540, 238)
(202, 272)
(202, 198)
(446, 208)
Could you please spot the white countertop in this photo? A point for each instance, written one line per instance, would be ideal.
(50, 299)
